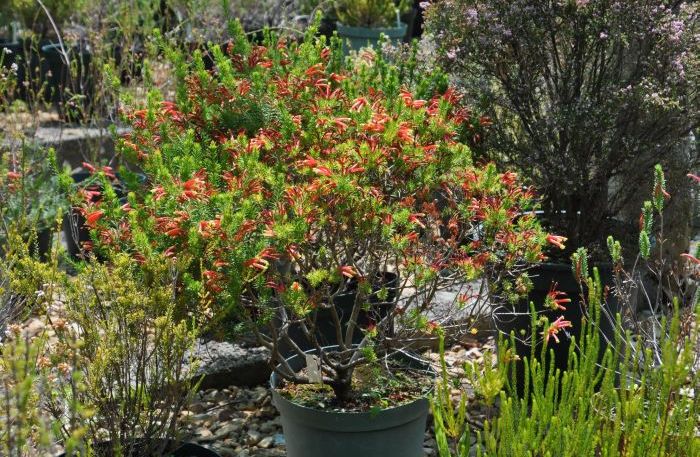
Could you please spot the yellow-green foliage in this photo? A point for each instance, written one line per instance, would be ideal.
(120, 362)
(33, 17)
(23, 432)
(369, 13)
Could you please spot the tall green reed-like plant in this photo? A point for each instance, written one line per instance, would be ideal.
(625, 406)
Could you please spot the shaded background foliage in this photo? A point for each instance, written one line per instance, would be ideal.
(586, 96)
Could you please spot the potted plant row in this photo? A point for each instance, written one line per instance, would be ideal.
(51, 64)
(324, 205)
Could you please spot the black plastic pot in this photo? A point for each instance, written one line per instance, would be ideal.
(325, 330)
(177, 450)
(132, 61)
(393, 432)
(27, 64)
(75, 232)
(413, 19)
(71, 91)
(518, 320)
(44, 240)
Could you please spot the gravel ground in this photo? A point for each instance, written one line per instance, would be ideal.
(242, 422)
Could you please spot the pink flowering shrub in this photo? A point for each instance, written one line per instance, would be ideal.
(582, 93)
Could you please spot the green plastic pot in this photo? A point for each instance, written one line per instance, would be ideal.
(392, 432)
(355, 38)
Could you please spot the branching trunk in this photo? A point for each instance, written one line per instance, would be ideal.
(342, 385)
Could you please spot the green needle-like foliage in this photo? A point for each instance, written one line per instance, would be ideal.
(624, 405)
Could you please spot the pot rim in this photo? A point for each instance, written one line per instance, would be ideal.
(370, 32)
(566, 266)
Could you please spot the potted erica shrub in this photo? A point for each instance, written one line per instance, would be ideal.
(362, 22)
(292, 181)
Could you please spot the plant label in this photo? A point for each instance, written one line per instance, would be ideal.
(313, 369)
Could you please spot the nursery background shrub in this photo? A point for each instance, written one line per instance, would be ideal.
(585, 95)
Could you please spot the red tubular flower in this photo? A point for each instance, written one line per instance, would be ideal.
(485, 121)
(175, 232)
(89, 167)
(210, 274)
(415, 219)
(377, 124)
(158, 193)
(90, 195)
(556, 299)
(556, 240)
(695, 178)
(269, 254)
(692, 258)
(554, 328)
(276, 286)
(13, 175)
(325, 171)
(257, 263)
(195, 188)
(433, 326)
(209, 229)
(308, 162)
(405, 133)
(213, 280)
(356, 168)
(341, 123)
(407, 97)
(293, 251)
(92, 218)
(139, 257)
(348, 271)
(246, 227)
(358, 104)
(218, 263)
(109, 172)
(509, 178)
